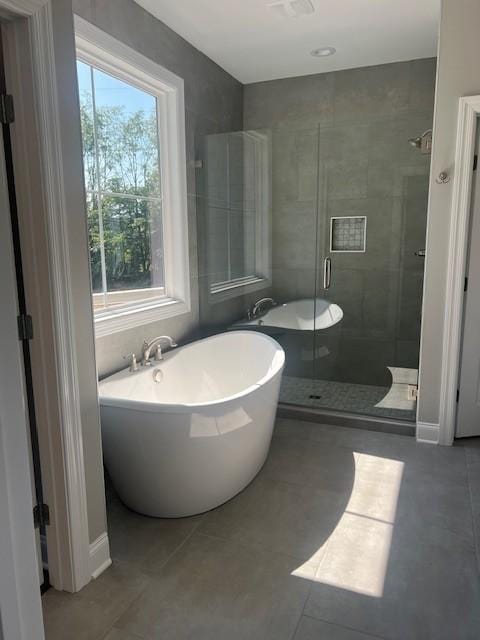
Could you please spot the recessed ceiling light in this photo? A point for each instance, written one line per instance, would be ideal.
(323, 52)
(292, 8)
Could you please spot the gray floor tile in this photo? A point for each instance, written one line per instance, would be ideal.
(287, 427)
(333, 435)
(117, 634)
(375, 527)
(88, 615)
(67, 616)
(421, 593)
(215, 589)
(472, 448)
(310, 463)
(276, 516)
(145, 542)
(473, 467)
(311, 629)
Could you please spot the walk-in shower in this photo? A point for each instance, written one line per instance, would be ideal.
(319, 206)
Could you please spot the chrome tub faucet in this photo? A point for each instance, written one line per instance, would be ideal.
(255, 310)
(156, 344)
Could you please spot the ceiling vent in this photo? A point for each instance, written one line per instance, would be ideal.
(292, 8)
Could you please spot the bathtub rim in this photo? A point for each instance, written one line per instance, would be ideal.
(163, 407)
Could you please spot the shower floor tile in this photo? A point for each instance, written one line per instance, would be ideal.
(340, 396)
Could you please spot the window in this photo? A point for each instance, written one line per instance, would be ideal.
(237, 190)
(132, 117)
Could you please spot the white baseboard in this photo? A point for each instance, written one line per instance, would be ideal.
(99, 556)
(428, 432)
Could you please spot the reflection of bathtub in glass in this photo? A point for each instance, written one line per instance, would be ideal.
(189, 432)
(308, 314)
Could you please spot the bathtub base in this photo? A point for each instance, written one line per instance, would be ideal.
(172, 465)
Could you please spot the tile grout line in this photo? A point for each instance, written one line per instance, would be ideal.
(302, 613)
(310, 587)
(182, 544)
(151, 577)
(135, 636)
(342, 626)
(250, 547)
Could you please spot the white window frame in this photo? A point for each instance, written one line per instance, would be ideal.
(100, 50)
(262, 278)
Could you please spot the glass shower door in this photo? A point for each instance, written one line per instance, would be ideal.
(372, 224)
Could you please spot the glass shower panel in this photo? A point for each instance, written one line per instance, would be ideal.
(373, 191)
(294, 206)
(257, 230)
(234, 214)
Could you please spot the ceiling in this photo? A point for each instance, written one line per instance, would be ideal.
(253, 42)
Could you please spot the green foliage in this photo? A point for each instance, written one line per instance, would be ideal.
(127, 165)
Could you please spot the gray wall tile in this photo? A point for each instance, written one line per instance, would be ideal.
(422, 84)
(371, 92)
(291, 102)
(345, 155)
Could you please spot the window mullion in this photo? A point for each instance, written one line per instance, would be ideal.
(99, 193)
(229, 205)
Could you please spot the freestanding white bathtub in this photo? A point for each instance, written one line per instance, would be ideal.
(188, 433)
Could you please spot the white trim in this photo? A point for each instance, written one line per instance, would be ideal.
(122, 320)
(65, 354)
(428, 432)
(233, 289)
(469, 110)
(22, 7)
(97, 48)
(99, 556)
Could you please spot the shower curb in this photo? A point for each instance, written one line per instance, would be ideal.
(340, 419)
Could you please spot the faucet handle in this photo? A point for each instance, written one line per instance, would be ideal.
(133, 362)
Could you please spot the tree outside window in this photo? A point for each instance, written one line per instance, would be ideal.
(121, 157)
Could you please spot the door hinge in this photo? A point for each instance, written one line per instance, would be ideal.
(41, 515)
(458, 395)
(7, 111)
(25, 327)
(475, 162)
(465, 286)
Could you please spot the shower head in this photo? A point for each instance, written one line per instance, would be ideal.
(423, 142)
(416, 142)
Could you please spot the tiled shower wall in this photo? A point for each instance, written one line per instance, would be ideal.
(340, 147)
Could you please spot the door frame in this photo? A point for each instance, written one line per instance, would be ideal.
(468, 113)
(29, 28)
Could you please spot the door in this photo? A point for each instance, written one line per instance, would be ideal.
(468, 414)
(20, 606)
(25, 331)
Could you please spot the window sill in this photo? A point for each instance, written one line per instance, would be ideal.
(130, 318)
(235, 288)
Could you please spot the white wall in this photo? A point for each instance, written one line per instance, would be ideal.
(457, 75)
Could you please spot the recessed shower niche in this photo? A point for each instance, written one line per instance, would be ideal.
(348, 234)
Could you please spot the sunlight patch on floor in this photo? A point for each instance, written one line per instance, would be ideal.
(355, 556)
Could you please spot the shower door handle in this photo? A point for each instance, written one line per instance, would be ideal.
(327, 273)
